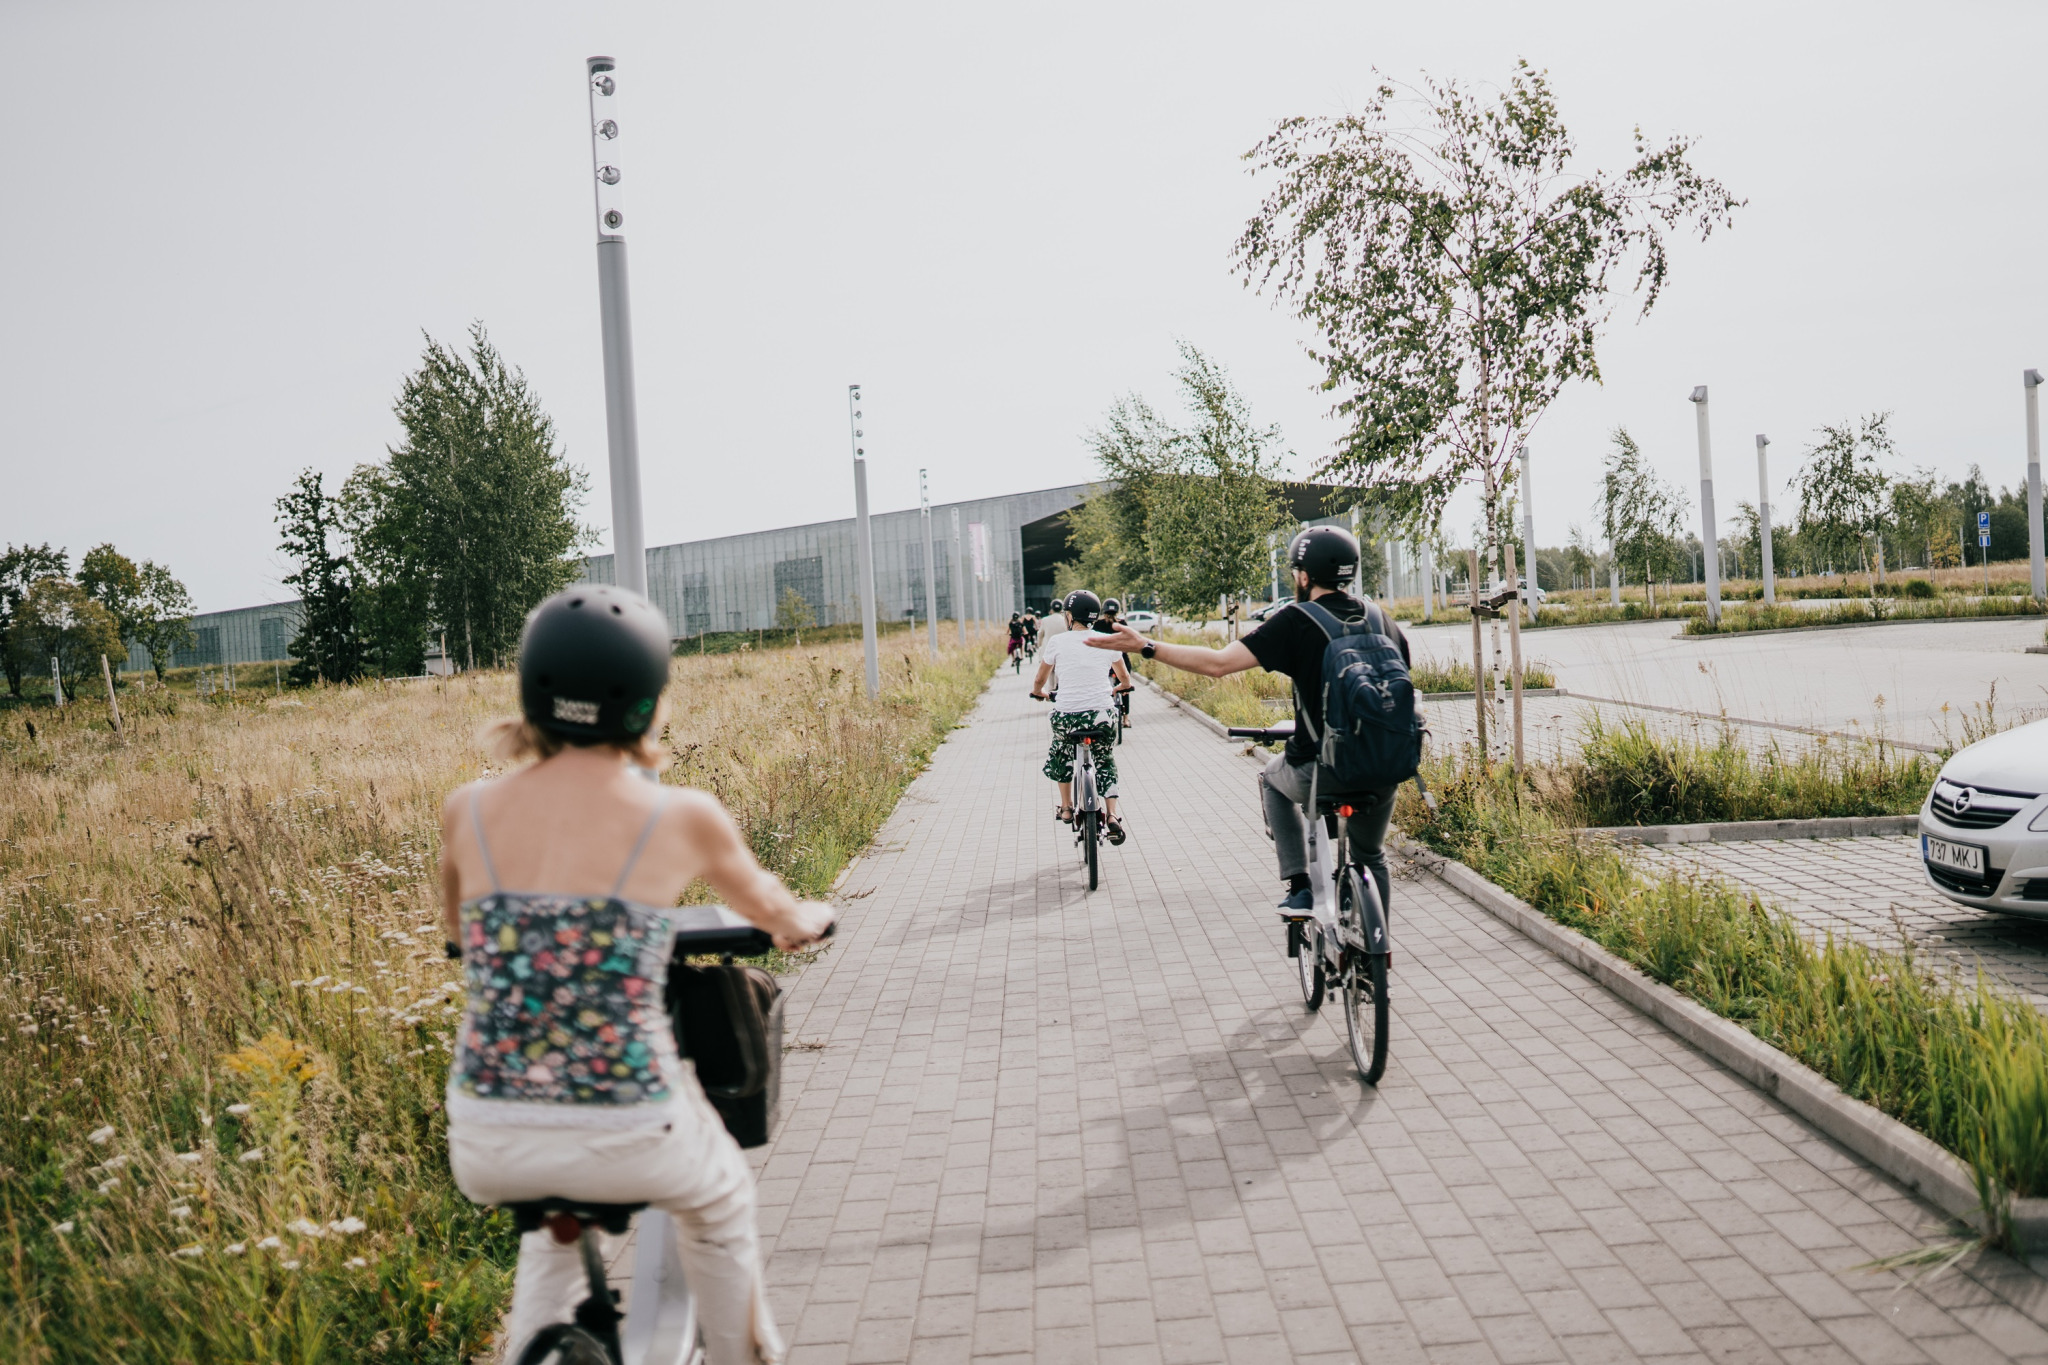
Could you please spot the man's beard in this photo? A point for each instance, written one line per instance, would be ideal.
(1302, 588)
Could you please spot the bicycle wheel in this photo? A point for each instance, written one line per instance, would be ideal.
(1091, 822)
(1364, 983)
(1308, 964)
(563, 1344)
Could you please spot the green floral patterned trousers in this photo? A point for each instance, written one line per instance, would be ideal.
(1069, 726)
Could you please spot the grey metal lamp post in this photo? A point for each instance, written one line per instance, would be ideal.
(2040, 572)
(931, 588)
(863, 542)
(1763, 515)
(1709, 542)
(622, 422)
(959, 580)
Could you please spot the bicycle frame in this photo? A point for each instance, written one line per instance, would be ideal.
(1323, 870)
(1086, 797)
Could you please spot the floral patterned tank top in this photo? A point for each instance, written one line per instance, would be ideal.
(565, 1022)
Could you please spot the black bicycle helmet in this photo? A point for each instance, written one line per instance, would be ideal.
(592, 662)
(1327, 554)
(1084, 604)
(1110, 606)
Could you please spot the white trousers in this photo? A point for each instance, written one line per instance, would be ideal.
(692, 1170)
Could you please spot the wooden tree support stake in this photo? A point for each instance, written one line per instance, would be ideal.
(107, 673)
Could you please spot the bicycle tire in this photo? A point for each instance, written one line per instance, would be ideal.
(1366, 1012)
(1308, 965)
(1090, 834)
(564, 1343)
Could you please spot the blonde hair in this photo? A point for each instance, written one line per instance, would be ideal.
(515, 739)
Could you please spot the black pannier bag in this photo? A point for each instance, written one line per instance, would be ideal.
(728, 1020)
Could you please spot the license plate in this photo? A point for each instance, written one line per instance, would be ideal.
(1956, 857)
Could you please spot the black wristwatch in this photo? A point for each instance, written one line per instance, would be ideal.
(1149, 649)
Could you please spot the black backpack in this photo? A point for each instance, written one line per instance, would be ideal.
(1372, 736)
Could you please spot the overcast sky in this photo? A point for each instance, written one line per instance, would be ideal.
(224, 229)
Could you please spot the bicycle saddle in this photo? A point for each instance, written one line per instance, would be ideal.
(530, 1214)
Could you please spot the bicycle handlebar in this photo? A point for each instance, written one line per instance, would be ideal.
(702, 929)
(1270, 734)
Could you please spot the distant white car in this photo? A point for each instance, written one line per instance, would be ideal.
(1984, 826)
(1141, 621)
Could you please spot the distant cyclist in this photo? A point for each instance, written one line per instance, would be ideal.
(1084, 706)
(1030, 632)
(1016, 650)
(1324, 560)
(1112, 611)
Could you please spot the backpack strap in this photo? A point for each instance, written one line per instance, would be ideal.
(1332, 628)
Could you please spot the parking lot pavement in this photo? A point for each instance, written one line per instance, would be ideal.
(1022, 1122)
(1874, 890)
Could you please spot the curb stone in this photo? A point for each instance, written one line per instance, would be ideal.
(1748, 831)
(1916, 1161)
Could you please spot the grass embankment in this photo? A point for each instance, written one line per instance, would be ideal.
(1628, 774)
(1860, 611)
(219, 1129)
(1966, 1066)
(1243, 698)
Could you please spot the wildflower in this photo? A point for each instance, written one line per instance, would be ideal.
(181, 1213)
(66, 1226)
(305, 1227)
(269, 1244)
(319, 981)
(114, 1163)
(31, 1030)
(347, 1226)
(106, 1185)
(98, 1136)
(190, 1158)
(356, 1263)
(289, 1265)
(194, 1250)
(234, 1248)
(80, 1082)
(253, 1154)
(238, 1109)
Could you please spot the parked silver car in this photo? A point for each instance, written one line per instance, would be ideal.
(1984, 826)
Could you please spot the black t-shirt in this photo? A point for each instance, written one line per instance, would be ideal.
(1290, 642)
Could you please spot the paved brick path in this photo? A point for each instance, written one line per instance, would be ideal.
(1874, 890)
(1065, 1127)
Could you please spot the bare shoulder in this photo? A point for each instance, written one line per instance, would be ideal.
(695, 813)
(457, 802)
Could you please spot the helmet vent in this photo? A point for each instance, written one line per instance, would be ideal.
(575, 602)
(616, 611)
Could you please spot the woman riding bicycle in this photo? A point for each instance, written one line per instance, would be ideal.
(1085, 707)
(554, 878)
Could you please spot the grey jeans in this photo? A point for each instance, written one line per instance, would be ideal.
(1283, 787)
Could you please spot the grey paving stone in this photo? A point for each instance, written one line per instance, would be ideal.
(1051, 1125)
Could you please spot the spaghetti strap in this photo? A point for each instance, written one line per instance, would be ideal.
(646, 833)
(476, 824)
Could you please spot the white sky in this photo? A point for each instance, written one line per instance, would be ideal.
(223, 229)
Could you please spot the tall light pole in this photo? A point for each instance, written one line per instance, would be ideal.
(863, 541)
(622, 422)
(1428, 577)
(1763, 516)
(931, 588)
(2040, 572)
(1708, 542)
(959, 580)
(1528, 533)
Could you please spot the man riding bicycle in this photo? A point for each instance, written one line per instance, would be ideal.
(1324, 560)
(1084, 708)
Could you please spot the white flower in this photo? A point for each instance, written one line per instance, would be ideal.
(319, 981)
(270, 1244)
(289, 1265)
(305, 1227)
(98, 1136)
(234, 1248)
(31, 1030)
(66, 1226)
(181, 1213)
(114, 1163)
(347, 1226)
(356, 1263)
(238, 1109)
(194, 1250)
(191, 1158)
(253, 1154)
(106, 1185)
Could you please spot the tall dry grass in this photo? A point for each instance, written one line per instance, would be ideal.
(229, 1015)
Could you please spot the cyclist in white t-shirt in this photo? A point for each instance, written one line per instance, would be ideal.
(1084, 704)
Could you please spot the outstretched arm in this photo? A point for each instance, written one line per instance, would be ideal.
(1210, 663)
